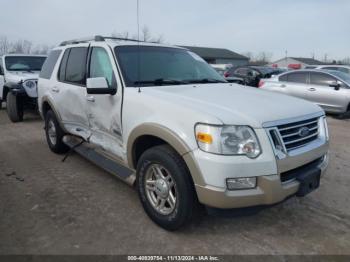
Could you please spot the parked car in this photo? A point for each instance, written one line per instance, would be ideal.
(250, 75)
(341, 68)
(222, 70)
(18, 83)
(170, 124)
(329, 89)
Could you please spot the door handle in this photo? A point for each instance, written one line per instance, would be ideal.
(283, 85)
(312, 89)
(90, 98)
(55, 89)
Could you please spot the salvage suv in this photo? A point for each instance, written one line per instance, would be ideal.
(160, 118)
(18, 83)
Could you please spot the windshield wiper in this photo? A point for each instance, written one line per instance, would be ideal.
(205, 81)
(160, 82)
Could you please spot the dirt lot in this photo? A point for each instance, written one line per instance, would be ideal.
(50, 207)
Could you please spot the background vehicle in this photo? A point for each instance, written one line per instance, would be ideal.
(170, 124)
(329, 89)
(18, 83)
(251, 75)
(341, 68)
(222, 70)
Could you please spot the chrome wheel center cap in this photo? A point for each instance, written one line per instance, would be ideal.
(162, 188)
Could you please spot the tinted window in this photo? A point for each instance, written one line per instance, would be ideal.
(297, 77)
(49, 64)
(1, 67)
(283, 78)
(343, 69)
(100, 66)
(76, 66)
(331, 68)
(62, 70)
(24, 63)
(242, 71)
(321, 79)
(151, 65)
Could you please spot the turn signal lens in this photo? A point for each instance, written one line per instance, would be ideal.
(204, 138)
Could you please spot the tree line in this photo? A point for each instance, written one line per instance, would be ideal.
(22, 47)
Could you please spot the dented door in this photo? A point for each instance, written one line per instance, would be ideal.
(104, 111)
(69, 92)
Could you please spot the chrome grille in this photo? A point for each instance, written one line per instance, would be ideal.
(299, 133)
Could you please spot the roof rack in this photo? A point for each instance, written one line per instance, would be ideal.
(97, 38)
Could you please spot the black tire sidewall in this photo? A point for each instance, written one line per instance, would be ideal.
(14, 108)
(59, 147)
(185, 192)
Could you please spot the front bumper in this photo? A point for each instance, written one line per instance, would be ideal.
(270, 190)
(269, 169)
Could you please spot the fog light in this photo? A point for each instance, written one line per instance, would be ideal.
(241, 183)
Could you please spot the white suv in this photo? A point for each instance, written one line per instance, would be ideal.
(18, 83)
(160, 117)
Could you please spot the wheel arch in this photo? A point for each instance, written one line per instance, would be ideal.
(47, 105)
(157, 134)
(5, 91)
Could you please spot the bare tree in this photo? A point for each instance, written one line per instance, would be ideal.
(27, 46)
(146, 35)
(4, 45)
(41, 49)
(263, 57)
(17, 47)
(249, 55)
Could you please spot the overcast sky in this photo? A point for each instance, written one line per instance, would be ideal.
(302, 27)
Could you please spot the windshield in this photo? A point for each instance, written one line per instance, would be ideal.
(341, 75)
(163, 66)
(24, 63)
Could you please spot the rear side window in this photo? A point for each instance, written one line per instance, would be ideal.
(62, 70)
(76, 66)
(295, 77)
(49, 64)
(283, 78)
(321, 79)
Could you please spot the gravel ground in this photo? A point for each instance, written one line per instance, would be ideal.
(50, 207)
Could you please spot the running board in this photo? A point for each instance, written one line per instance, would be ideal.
(111, 166)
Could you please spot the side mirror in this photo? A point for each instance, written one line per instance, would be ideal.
(335, 84)
(99, 86)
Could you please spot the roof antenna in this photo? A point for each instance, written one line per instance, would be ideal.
(138, 48)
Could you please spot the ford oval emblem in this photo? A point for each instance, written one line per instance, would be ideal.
(304, 131)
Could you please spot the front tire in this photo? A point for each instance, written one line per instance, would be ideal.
(165, 187)
(14, 108)
(54, 134)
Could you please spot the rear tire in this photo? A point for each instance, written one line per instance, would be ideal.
(54, 134)
(14, 108)
(165, 188)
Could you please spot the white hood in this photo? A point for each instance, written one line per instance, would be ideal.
(15, 77)
(235, 104)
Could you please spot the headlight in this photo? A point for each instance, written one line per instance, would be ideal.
(29, 84)
(326, 128)
(227, 140)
